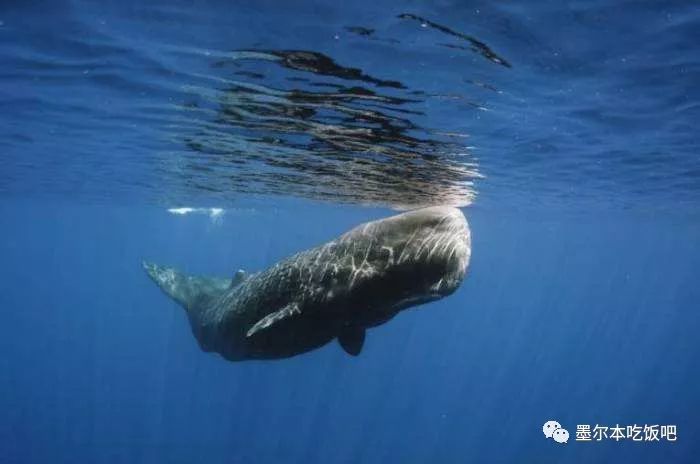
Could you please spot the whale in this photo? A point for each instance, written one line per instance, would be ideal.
(335, 291)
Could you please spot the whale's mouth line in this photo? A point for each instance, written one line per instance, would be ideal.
(416, 300)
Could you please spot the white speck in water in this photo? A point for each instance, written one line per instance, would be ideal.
(424, 25)
(215, 214)
(336, 37)
(180, 211)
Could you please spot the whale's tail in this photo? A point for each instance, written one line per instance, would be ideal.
(191, 292)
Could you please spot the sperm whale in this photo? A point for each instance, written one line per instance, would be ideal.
(337, 290)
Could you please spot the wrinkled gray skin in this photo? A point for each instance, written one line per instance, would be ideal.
(336, 290)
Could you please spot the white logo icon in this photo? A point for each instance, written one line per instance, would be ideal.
(561, 435)
(554, 430)
(549, 427)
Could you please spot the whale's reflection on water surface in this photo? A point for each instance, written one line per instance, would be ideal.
(300, 123)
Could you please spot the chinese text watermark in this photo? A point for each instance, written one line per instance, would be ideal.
(636, 432)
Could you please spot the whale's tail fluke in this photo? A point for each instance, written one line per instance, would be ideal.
(191, 292)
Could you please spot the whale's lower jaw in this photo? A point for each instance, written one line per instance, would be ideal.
(415, 301)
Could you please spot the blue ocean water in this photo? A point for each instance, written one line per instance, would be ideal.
(566, 132)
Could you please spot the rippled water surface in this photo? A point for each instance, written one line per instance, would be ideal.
(398, 104)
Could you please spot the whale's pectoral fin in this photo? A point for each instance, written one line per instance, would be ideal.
(352, 339)
(272, 318)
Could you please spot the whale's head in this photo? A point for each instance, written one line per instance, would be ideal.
(417, 256)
